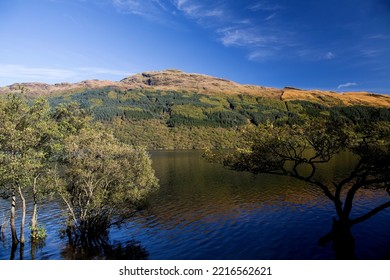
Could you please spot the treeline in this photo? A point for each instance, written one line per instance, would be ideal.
(183, 120)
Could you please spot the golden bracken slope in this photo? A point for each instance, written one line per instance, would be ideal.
(177, 80)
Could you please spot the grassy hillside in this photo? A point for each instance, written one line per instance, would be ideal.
(172, 109)
(182, 120)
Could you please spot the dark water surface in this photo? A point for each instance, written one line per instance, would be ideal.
(203, 211)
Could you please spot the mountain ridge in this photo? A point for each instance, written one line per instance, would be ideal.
(177, 80)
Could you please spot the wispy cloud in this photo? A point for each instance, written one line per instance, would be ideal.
(97, 70)
(371, 53)
(20, 71)
(271, 16)
(244, 37)
(264, 6)
(23, 73)
(346, 85)
(329, 55)
(379, 37)
(230, 27)
(234, 30)
(261, 54)
(150, 9)
(315, 54)
(200, 12)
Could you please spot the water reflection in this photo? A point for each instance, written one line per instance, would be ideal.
(35, 247)
(204, 211)
(370, 171)
(130, 250)
(353, 189)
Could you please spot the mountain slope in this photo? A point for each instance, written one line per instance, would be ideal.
(196, 83)
(175, 80)
(175, 110)
(330, 98)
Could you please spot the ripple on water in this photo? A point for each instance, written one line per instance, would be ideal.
(203, 211)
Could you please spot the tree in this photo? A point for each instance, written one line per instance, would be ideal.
(25, 134)
(298, 151)
(102, 182)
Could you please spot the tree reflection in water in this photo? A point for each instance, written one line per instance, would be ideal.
(299, 151)
(130, 250)
(371, 171)
(100, 249)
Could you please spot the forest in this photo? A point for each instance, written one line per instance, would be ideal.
(183, 120)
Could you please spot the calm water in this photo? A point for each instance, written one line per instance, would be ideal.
(203, 211)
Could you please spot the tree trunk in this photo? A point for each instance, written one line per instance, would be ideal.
(22, 240)
(21, 251)
(12, 219)
(34, 217)
(3, 225)
(13, 251)
(343, 241)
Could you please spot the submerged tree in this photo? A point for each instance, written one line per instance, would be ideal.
(299, 151)
(42, 151)
(102, 182)
(25, 134)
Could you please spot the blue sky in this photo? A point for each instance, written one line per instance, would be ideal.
(341, 45)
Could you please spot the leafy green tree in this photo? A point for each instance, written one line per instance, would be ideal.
(298, 151)
(102, 182)
(25, 133)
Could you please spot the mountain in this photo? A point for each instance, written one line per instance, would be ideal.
(171, 109)
(42, 89)
(331, 98)
(197, 83)
(176, 80)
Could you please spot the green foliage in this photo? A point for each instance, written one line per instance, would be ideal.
(284, 149)
(25, 134)
(38, 233)
(174, 115)
(155, 135)
(44, 151)
(102, 181)
(299, 151)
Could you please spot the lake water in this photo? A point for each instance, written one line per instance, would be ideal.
(203, 211)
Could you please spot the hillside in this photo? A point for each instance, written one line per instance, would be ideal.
(330, 98)
(175, 110)
(176, 80)
(195, 83)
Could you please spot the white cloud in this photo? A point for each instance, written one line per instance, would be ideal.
(379, 36)
(315, 54)
(264, 6)
(150, 9)
(370, 53)
(346, 85)
(239, 37)
(329, 55)
(259, 55)
(198, 11)
(21, 73)
(231, 29)
(271, 16)
(96, 70)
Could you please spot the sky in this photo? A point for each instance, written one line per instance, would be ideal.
(338, 45)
